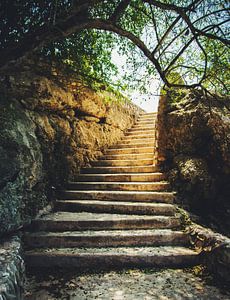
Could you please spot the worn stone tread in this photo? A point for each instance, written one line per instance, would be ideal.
(142, 128)
(151, 114)
(142, 204)
(68, 221)
(134, 140)
(133, 131)
(142, 136)
(146, 120)
(116, 207)
(127, 177)
(128, 156)
(127, 162)
(125, 169)
(139, 251)
(111, 257)
(131, 196)
(148, 116)
(121, 186)
(134, 135)
(117, 214)
(82, 216)
(129, 150)
(139, 136)
(106, 238)
(133, 145)
(107, 233)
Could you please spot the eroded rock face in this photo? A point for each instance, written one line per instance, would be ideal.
(12, 271)
(194, 145)
(21, 167)
(51, 125)
(215, 250)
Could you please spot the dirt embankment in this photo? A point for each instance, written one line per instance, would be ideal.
(51, 125)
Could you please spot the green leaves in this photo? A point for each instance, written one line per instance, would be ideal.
(88, 53)
(164, 37)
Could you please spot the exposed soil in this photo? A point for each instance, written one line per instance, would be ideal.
(168, 284)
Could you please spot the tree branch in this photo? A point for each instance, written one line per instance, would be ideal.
(107, 25)
(154, 24)
(179, 54)
(160, 42)
(74, 21)
(35, 39)
(122, 6)
(182, 12)
(173, 24)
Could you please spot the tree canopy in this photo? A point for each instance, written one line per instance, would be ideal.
(167, 37)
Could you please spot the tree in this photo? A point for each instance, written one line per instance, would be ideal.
(179, 36)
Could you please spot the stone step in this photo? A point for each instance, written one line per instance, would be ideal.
(139, 135)
(117, 214)
(124, 169)
(69, 221)
(108, 238)
(151, 114)
(145, 122)
(134, 145)
(117, 163)
(136, 128)
(129, 150)
(130, 196)
(119, 186)
(104, 258)
(142, 128)
(147, 131)
(148, 115)
(127, 156)
(127, 140)
(135, 208)
(138, 177)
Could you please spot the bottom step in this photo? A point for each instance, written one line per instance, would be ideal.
(104, 258)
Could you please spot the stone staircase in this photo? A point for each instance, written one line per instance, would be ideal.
(119, 213)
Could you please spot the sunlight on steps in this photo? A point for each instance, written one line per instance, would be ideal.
(118, 213)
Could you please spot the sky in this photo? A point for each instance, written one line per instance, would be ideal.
(147, 102)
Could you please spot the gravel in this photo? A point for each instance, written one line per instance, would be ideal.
(168, 284)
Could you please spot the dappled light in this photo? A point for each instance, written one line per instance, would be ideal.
(114, 150)
(186, 37)
(132, 284)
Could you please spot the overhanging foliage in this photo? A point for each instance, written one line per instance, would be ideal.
(190, 38)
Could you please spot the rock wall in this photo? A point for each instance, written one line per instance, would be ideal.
(12, 270)
(194, 147)
(51, 125)
(214, 250)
